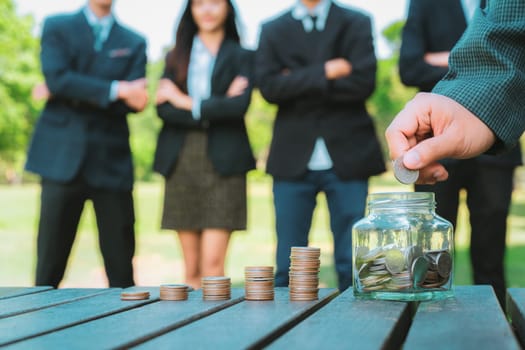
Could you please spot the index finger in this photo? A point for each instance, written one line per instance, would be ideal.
(399, 134)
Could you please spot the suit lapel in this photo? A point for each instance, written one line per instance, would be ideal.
(84, 32)
(222, 62)
(332, 26)
(113, 37)
(298, 34)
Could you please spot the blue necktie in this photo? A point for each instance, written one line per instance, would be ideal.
(97, 33)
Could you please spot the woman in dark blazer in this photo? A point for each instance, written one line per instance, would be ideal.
(203, 149)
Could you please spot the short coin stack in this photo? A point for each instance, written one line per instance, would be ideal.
(216, 288)
(134, 295)
(304, 273)
(258, 283)
(173, 292)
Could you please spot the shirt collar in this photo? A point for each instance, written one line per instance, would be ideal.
(199, 47)
(302, 13)
(106, 22)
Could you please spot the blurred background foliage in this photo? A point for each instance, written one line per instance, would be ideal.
(20, 71)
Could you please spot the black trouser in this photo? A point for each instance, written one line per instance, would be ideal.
(61, 208)
(489, 193)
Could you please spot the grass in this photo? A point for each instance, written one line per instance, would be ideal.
(158, 257)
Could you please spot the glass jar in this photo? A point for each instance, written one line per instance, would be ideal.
(402, 250)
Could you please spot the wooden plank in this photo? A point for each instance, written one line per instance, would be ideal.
(31, 324)
(350, 323)
(473, 319)
(516, 311)
(244, 325)
(11, 292)
(126, 328)
(36, 301)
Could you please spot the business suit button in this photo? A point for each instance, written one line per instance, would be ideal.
(205, 124)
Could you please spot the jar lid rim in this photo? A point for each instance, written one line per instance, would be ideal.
(409, 198)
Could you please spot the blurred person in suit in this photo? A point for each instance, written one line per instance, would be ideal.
(94, 72)
(317, 63)
(203, 149)
(431, 30)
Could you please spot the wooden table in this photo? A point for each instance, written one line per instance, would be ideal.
(45, 318)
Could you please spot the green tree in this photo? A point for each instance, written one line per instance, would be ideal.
(144, 127)
(392, 34)
(259, 123)
(19, 71)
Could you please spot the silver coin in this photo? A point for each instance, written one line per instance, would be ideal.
(395, 261)
(419, 270)
(363, 270)
(411, 253)
(444, 264)
(403, 174)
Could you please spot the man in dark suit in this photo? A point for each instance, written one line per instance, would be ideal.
(317, 63)
(431, 30)
(94, 72)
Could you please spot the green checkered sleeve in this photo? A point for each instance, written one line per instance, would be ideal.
(487, 69)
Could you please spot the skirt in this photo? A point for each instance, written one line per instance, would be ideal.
(197, 197)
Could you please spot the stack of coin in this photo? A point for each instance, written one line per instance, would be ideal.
(216, 288)
(258, 283)
(134, 295)
(304, 273)
(373, 273)
(173, 292)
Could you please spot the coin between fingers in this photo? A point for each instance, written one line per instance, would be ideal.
(403, 174)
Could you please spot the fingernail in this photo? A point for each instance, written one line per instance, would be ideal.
(411, 160)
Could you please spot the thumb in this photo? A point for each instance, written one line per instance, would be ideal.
(429, 151)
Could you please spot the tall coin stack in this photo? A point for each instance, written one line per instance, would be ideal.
(216, 288)
(173, 292)
(304, 273)
(258, 283)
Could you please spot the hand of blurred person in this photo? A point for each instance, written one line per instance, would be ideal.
(167, 91)
(134, 93)
(40, 92)
(237, 86)
(337, 68)
(438, 59)
(432, 127)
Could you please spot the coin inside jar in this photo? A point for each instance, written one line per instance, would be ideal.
(403, 174)
(419, 270)
(411, 253)
(444, 264)
(394, 261)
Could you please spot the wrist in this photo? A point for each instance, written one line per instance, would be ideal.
(188, 103)
(122, 91)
